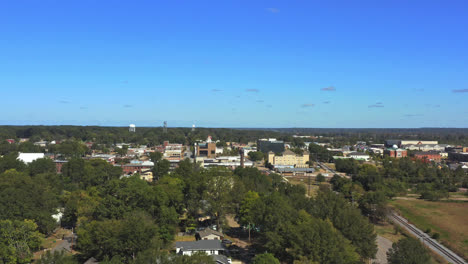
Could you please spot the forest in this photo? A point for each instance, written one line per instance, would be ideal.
(128, 220)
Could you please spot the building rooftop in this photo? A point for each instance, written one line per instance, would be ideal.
(209, 231)
(358, 154)
(30, 157)
(200, 245)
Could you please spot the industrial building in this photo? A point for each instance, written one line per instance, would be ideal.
(270, 144)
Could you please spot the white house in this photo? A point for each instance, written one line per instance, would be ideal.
(210, 247)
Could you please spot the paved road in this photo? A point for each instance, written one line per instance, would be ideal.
(435, 246)
(383, 246)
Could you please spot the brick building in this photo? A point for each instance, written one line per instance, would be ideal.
(427, 156)
(396, 153)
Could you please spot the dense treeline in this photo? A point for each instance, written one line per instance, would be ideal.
(349, 136)
(143, 135)
(154, 136)
(128, 220)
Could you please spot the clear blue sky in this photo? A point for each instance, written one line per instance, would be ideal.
(235, 63)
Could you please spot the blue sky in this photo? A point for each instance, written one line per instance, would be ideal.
(235, 63)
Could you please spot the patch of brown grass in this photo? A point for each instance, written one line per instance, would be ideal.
(449, 219)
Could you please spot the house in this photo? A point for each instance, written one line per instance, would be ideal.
(289, 158)
(209, 234)
(210, 247)
(30, 157)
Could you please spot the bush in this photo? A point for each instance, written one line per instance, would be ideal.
(408, 251)
(428, 231)
(433, 195)
(320, 178)
(436, 236)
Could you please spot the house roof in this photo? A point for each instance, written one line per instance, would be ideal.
(30, 157)
(288, 152)
(358, 154)
(209, 231)
(220, 259)
(200, 245)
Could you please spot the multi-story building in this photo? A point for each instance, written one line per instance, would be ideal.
(425, 147)
(458, 156)
(392, 142)
(289, 158)
(136, 166)
(427, 156)
(174, 152)
(396, 152)
(224, 161)
(270, 144)
(206, 149)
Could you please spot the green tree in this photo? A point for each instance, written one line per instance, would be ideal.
(218, 192)
(246, 212)
(255, 155)
(18, 241)
(161, 168)
(408, 251)
(24, 197)
(39, 166)
(320, 178)
(135, 233)
(156, 156)
(265, 258)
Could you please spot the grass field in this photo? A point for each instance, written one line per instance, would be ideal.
(304, 181)
(449, 219)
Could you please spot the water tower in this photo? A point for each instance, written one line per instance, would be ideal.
(131, 128)
(193, 128)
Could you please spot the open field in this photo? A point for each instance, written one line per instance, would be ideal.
(449, 219)
(304, 181)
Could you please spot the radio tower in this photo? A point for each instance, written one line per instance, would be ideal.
(165, 127)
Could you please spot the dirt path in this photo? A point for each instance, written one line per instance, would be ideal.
(383, 245)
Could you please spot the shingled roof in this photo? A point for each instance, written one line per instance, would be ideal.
(200, 245)
(207, 232)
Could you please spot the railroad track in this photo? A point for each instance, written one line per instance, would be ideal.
(427, 240)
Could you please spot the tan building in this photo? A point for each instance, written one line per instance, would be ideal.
(289, 158)
(206, 149)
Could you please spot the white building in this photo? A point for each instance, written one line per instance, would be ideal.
(359, 156)
(30, 157)
(210, 247)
